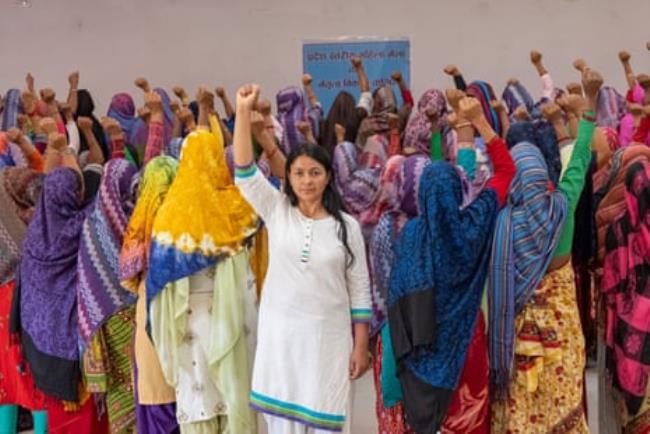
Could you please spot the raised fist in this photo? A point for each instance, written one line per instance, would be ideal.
(574, 88)
(153, 102)
(205, 98)
(247, 96)
(73, 79)
(592, 81)
(551, 112)
(535, 57)
(84, 123)
(454, 96)
(264, 107)
(624, 56)
(57, 141)
(451, 70)
(179, 92)
(580, 64)
(47, 125)
(143, 84)
(48, 95)
(521, 114)
(470, 109)
(111, 126)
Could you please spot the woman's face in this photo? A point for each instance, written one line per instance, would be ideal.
(308, 179)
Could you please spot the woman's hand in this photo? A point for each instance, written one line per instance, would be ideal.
(454, 96)
(112, 127)
(359, 362)
(580, 65)
(552, 112)
(85, 124)
(451, 70)
(153, 102)
(247, 96)
(48, 125)
(470, 109)
(591, 83)
(143, 84)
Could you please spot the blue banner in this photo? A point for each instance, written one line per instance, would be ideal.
(329, 63)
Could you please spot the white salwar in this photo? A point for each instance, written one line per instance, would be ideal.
(310, 299)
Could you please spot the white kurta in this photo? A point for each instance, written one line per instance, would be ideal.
(309, 300)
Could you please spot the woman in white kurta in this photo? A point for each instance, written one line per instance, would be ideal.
(316, 291)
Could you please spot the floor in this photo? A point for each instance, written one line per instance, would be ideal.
(364, 422)
(364, 401)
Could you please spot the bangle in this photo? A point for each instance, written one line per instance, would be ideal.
(270, 155)
(589, 116)
(463, 125)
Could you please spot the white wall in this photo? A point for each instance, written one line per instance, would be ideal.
(194, 42)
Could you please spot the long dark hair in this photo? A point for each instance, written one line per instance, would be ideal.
(331, 199)
(344, 111)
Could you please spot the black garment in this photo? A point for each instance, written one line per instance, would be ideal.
(85, 108)
(54, 376)
(92, 176)
(425, 406)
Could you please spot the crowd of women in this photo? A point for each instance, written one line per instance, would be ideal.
(177, 269)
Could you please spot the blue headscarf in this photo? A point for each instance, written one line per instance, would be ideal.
(12, 106)
(542, 135)
(436, 285)
(484, 93)
(515, 95)
(527, 231)
(122, 109)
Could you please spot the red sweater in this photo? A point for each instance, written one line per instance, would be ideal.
(504, 169)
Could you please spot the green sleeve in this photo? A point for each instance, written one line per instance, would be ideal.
(436, 147)
(573, 181)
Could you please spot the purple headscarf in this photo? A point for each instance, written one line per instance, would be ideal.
(291, 111)
(398, 202)
(356, 175)
(99, 292)
(140, 130)
(48, 269)
(611, 108)
(122, 109)
(418, 129)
